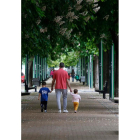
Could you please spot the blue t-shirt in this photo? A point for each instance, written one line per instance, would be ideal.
(44, 93)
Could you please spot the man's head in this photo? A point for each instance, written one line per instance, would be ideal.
(61, 65)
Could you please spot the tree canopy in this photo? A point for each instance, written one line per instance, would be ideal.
(70, 59)
(57, 27)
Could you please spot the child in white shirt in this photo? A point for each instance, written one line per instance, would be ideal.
(75, 99)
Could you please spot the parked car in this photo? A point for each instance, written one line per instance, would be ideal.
(22, 77)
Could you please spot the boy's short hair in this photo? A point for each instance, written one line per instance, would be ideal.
(61, 65)
(75, 90)
(43, 83)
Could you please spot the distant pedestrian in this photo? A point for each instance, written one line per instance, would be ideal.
(75, 99)
(51, 73)
(72, 75)
(77, 78)
(61, 78)
(43, 92)
(69, 76)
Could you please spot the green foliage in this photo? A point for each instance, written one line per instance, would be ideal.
(23, 61)
(32, 39)
(56, 62)
(57, 27)
(52, 63)
(100, 23)
(70, 59)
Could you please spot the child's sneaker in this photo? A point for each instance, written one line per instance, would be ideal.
(59, 111)
(45, 110)
(41, 109)
(75, 111)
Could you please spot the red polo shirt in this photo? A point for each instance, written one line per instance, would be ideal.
(61, 77)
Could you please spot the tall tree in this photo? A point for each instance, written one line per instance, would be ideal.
(50, 26)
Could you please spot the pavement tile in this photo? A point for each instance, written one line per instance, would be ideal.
(96, 118)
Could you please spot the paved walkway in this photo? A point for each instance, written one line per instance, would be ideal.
(96, 119)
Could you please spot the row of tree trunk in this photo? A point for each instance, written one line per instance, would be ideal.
(106, 72)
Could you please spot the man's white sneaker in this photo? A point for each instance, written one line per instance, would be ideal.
(65, 111)
(59, 111)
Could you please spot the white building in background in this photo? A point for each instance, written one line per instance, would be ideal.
(69, 69)
(48, 69)
(66, 69)
(23, 69)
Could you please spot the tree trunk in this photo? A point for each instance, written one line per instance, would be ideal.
(30, 72)
(106, 64)
(116, 64)
(96, 73)
(116, 71)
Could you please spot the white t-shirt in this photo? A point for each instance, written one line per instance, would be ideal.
(75, 97)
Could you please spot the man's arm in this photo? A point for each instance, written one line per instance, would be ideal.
(53, 81)
(49, 91)
(69, 85)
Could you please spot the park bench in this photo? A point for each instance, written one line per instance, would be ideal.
(104, 91)
(36, 82)
(28, 88)
(82, 79)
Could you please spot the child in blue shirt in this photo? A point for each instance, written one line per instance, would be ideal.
(43, 92)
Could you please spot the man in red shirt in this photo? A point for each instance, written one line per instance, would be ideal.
(61, 78)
